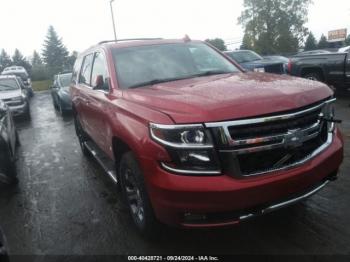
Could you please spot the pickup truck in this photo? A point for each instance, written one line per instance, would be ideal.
(193, 140)
(330, 68)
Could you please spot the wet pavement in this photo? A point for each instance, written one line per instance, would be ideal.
(65, 204)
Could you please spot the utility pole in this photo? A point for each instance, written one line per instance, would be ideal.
(115, 34)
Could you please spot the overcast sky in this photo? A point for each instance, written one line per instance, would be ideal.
(82, 23)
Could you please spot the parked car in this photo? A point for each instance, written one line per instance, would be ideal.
(278, 58)
(14, 96)
(196, 142)
(60, 93)
(251, 61)
(330, 68)
(8, 144)
(345, 49)
(21, 72)
(313, 52)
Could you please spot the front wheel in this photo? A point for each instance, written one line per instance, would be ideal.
(8, 172)
(135, 194)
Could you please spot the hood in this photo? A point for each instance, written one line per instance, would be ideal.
(228, 97)
(10, 94)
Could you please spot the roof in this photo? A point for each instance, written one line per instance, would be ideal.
(8, 76)
(138, 42)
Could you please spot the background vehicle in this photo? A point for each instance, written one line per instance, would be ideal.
(8, 143)
(331, 68)
(22, 73)
(345, 49)
(278, 58)
(313, 52)
(254, 62)
(60, 93)
(193, 140)
(13, 95)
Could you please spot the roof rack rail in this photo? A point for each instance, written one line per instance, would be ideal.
(128, 39)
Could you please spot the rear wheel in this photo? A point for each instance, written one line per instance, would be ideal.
(135, 194)
(82, 136)
(8, 173)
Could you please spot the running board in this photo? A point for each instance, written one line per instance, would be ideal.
(107, 164)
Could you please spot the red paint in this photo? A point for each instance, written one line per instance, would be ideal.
(126, 114)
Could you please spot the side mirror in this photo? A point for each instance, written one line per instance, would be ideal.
(98, 82)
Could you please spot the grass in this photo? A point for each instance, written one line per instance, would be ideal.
(41, 85)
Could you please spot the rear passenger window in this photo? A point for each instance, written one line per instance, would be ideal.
(100, 68)
(85, 73)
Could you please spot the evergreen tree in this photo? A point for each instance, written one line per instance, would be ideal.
(54, 52)
(247, 43)
(218, 43)
(36, 60)
(5, 60)
(275, 26)
(347, 41)
(323, 43)
(311, 43)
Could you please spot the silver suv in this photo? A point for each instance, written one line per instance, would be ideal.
(14, 96)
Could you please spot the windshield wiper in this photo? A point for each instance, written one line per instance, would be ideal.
(212, 72)
(157, 81)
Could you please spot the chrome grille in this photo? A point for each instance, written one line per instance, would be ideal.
(261, 145)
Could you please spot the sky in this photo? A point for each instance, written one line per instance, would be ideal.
(82, 23)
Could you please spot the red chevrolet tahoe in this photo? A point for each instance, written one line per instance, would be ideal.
(193, 139)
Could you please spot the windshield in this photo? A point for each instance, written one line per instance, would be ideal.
(146, 65)
(22, 75)
(8, 84)
(65, 80)
(244, 56)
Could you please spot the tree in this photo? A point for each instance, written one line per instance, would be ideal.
(347, 41)
(19, 60)
(54, 52)
(5, 60)
(275, 26)
(36, 60)
(323, 43)
(247, 43)
(218, 43)
(310, 43)
(71, 60)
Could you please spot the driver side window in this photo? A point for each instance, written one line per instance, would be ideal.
(100, 69)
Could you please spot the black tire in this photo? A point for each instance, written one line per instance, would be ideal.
(82, 136)
(18, 141)
(8, 169)
(313, 76)
(60, 109)
(27, 115)
(136, 197)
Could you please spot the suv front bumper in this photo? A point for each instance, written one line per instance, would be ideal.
(179, 199)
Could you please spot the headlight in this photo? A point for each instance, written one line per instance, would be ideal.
(17, 99)
(190, 148)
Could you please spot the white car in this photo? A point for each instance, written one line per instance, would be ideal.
(344, 49)
(21, 72)
(14, 96)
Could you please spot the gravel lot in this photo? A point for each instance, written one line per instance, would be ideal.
(65, 204)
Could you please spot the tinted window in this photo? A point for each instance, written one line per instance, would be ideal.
(100, 68)
(137, 66)
(76, 69)
(8, 84)
(85, 73)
